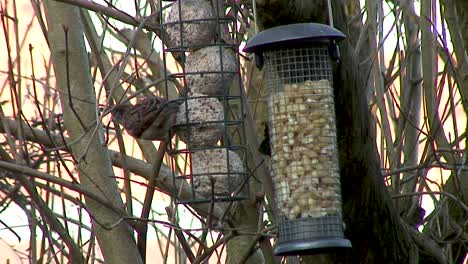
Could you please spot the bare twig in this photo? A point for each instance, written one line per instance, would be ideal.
(116, 14)
(142, 231)
(44, 176)
(427, 245)
(451, 196)
(210, 250)
(180, 237)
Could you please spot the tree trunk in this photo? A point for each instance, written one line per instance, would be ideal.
(79, 106)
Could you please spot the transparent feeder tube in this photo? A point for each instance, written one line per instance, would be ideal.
(303, 142)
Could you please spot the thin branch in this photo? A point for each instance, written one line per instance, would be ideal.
(164, 181)
(149, 24)
(451, 196)
(180, 237)
(428, 245)
(49, 216)
(47, 177)
(210, 250)
(143, 229)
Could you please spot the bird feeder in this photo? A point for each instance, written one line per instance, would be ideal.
(208, 154)
(298, 65)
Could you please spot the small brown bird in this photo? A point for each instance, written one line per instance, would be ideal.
(152, 117)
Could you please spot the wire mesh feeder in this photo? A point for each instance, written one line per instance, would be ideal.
(208, 154)
(303, 140)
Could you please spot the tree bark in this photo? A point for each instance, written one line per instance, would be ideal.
(373, 226)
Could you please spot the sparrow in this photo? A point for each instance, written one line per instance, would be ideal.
(151, 118)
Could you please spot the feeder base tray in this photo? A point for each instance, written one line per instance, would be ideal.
(311, 246)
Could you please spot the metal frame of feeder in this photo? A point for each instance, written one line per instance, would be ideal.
(233, 133)
(304, 164)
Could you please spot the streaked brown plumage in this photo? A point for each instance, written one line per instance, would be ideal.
(152, 117)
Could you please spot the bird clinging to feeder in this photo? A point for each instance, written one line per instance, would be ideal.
(151, 118)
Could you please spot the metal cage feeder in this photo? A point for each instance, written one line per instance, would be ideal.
(298, 65)
(208, 155)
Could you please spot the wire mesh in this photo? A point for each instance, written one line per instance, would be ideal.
(208, 154)
(303, 143)
(297, 65)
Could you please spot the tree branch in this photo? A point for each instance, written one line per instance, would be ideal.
(117, 14)
(164, 181)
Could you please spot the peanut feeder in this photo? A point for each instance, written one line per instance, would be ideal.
(304, 165)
